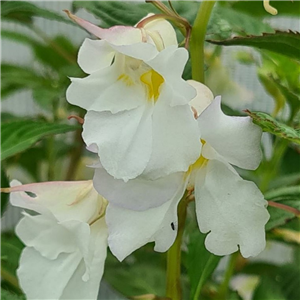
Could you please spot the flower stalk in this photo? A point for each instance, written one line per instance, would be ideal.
(198, 39)
(174, 290)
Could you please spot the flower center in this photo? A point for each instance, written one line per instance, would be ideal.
(153, 81)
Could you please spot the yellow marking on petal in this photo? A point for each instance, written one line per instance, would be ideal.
(126, 79)
(153, 81)
(199, 163)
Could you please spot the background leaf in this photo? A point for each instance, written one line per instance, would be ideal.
(285, 43)
(200, 262)
(269, 124)
(16, 136)
(22, 11)
(4, 196)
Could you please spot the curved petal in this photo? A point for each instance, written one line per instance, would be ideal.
(204, 96)
(161, 32)
(83, 284)
(231, 210)
(142, 51)
(176, 139)
(118, 35)
(105, 91)
(45, 235)
(95, 55)
(170, 64)
(136, 194)
(124, 140)
(237, 139)
(40, 277)
(130, 230)
(66, 200)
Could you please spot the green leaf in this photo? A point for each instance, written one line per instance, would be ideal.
(269, 124)
(200, 262)
(268, 290)
(142, 277)
(18, 136)
(225, 22)
(285, 43)
(4, 196)
(6, 295)
(283, 280)
(286, 195)
(14, 78)
(11, 248)
(255, 8)
(22, 11)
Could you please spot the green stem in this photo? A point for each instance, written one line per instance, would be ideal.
(223, 289)
(174, 291)
(198, 39)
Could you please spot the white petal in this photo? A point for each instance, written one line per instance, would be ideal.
(130, 230)
(237, 139)
(95, 55)
(104, 91)
(78, 288)
(176, 139)
(124, 140)
(45, 235)
(143, 51)
(170, 64)
(41, 278)
(138, 193)
(162, 32)
(231, 210)
(204, 96)
(66, 200)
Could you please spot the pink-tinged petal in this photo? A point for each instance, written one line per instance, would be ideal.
(139, 193)
(45, 235)
(237, 139)
(170, 64)
(130, 230)
(66, 200)
(176, 138)
(95, 55)
(117, 35)
(231, 210)
(203, 98)
(124, 140)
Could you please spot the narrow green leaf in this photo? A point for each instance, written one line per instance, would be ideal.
(268, 289)
(282, 42)
(17, 136)
(200, 262)
(4, 196)
(286, 195)
(269, 124)
(22, 11)
(7, 295)
(256, 8)
(11, 248)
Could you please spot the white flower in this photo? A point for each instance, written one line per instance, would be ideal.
(231, 210)
(138, 118)
(66, 242)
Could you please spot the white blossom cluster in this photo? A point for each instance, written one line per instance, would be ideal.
(155, 136)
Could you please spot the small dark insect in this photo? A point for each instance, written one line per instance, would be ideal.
(172, 226)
